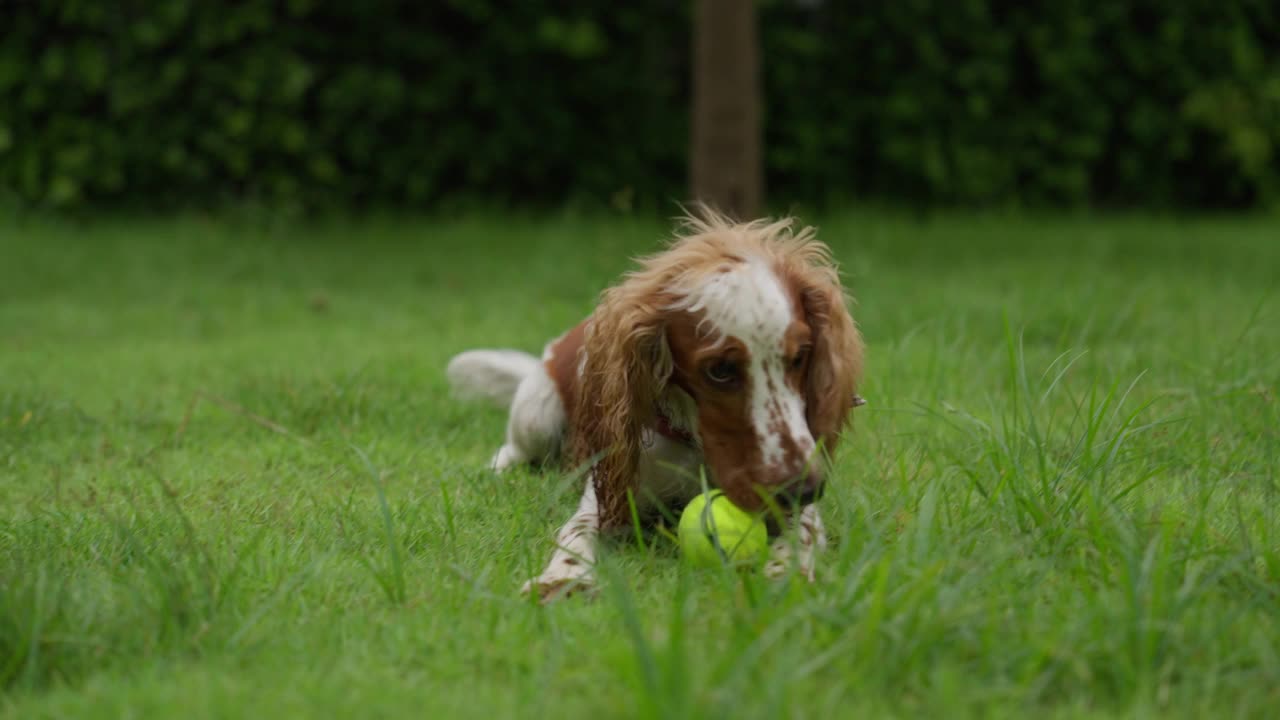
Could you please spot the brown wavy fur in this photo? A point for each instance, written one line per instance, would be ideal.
(627, 362)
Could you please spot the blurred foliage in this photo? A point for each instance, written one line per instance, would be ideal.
(1133, 102)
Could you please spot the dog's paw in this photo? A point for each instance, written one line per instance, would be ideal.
(506, 457)
(554, 586)
(778, 569)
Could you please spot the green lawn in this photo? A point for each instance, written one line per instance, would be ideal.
(233, 483)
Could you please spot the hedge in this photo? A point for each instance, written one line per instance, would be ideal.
(423, 104)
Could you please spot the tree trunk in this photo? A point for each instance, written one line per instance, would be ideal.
(726, 166)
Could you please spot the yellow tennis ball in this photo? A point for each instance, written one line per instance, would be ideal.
(714, 531)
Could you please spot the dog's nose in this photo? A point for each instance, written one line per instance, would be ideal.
(812, 486)
(805, 490)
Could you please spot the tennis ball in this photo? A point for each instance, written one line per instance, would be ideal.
(714, 531)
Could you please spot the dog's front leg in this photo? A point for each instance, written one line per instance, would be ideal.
(570, 569)
(800, 551)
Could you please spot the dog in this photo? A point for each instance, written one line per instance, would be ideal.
(731, 350)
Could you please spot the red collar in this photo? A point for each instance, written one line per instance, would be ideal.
(662, 424)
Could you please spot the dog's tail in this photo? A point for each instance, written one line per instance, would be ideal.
(491, 375)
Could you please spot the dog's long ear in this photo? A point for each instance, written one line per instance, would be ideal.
(626, 366)
(835, 369)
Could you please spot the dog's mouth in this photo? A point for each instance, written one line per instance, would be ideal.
(793, 497)
(799, 497)
(755, 496)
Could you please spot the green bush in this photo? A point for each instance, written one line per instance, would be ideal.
(425, 104)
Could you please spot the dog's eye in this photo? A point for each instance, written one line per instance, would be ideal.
(800, 359)
(723, 372)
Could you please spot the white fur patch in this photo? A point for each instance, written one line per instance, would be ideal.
(535, 424)
(749, 303)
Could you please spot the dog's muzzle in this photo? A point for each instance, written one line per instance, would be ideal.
(806, 491)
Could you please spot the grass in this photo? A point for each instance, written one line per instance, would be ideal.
(232, 482)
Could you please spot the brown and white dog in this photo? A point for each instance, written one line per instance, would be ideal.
(733, 349)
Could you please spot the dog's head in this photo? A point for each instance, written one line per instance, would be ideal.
(740, 333)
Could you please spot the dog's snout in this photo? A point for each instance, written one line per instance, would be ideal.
(803, 490)
(811, 487)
